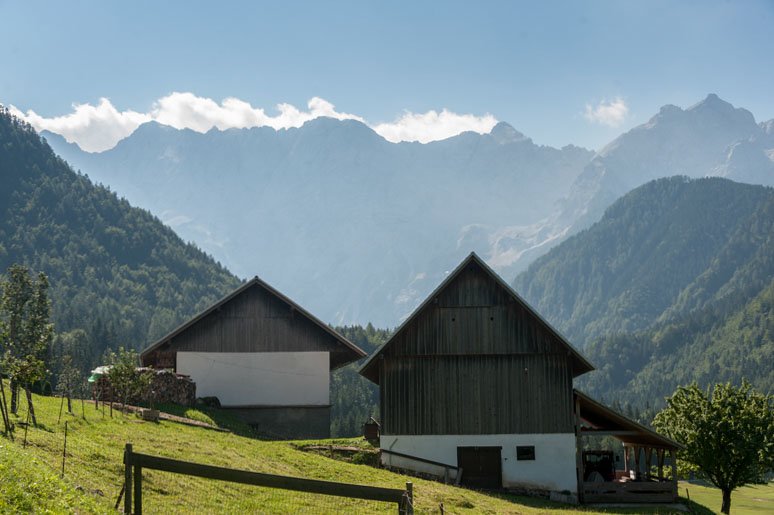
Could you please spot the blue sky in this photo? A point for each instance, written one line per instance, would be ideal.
(534, 65)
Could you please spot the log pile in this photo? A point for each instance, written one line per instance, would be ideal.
(165, 387)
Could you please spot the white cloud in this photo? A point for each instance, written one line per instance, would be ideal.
(101, 127)
(187, 111)
(611, 113)
(93, 128)
(433, 126)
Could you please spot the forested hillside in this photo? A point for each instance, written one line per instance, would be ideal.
(116, 271)
(664, 250)
(674, 284)
(355, 398)
(725, 342)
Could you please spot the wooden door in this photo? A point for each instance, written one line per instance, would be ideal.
(481, 466)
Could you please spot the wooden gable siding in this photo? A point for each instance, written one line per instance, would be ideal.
(256, 321)
(475, 361)
(518, 394)
(474, 315)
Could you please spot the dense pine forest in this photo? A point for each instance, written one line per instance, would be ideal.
(674, 284)
(353, 397)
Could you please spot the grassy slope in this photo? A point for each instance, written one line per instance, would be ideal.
(94, 458)
(748, 500)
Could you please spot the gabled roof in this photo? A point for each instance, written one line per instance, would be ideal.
(580, 364)
(612, 423)
(356, 352)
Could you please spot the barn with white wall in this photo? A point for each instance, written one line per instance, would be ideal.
(262, 356)
(476, 387)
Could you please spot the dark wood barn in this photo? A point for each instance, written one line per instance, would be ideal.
(477, 387)
(261, 355)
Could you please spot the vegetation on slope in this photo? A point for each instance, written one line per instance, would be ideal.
(355, 398)
(27, 485)
(116, 271)
(711, 346)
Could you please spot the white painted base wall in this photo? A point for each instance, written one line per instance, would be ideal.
(259, 378)
(553, 468)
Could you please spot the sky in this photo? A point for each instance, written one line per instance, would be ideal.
(560, 72)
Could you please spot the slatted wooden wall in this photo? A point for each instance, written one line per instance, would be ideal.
(256, 321)
(475, 361)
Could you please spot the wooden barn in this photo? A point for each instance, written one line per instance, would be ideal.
(475, 387)
(263, 356)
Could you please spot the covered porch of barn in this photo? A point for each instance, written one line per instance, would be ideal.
(644, 470)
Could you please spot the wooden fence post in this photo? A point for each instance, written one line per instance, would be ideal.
(64, 450)
(128, 479)
(137, 490)
(410, 492)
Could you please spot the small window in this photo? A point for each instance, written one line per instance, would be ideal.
(525, 452)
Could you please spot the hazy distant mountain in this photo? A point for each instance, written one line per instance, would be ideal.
(711, 138)
(354, 227)
(359, 229)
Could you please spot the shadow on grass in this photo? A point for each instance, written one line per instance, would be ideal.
(695, 507)
(220, 418)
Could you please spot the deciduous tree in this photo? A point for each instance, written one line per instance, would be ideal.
(728, 433)
(25, 309)
(125, 381)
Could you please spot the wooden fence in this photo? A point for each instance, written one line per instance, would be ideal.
(645, 492)
(135, 462)
(446, 467)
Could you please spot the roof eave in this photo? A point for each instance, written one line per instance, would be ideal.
(256, 281)
(645, 430)
(584, 364)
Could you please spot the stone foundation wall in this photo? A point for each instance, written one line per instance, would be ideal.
(287, 423)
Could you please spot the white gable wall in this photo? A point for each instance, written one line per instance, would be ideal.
(553, 468)
(259, 378)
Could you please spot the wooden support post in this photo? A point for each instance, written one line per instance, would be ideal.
(637, 450)
(410, 492)
(648, 460)
(660, 457)
(578, 451)
(128, 479)
(138, 490)
(626, 459)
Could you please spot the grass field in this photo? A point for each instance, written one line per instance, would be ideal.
(29, 478)
(748, 500)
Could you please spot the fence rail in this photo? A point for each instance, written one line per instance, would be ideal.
(646, 491)
(135, 462)
(446, 467)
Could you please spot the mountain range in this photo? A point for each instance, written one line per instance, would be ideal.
(359, 229)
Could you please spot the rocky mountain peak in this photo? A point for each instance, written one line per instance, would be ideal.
(504, 133)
